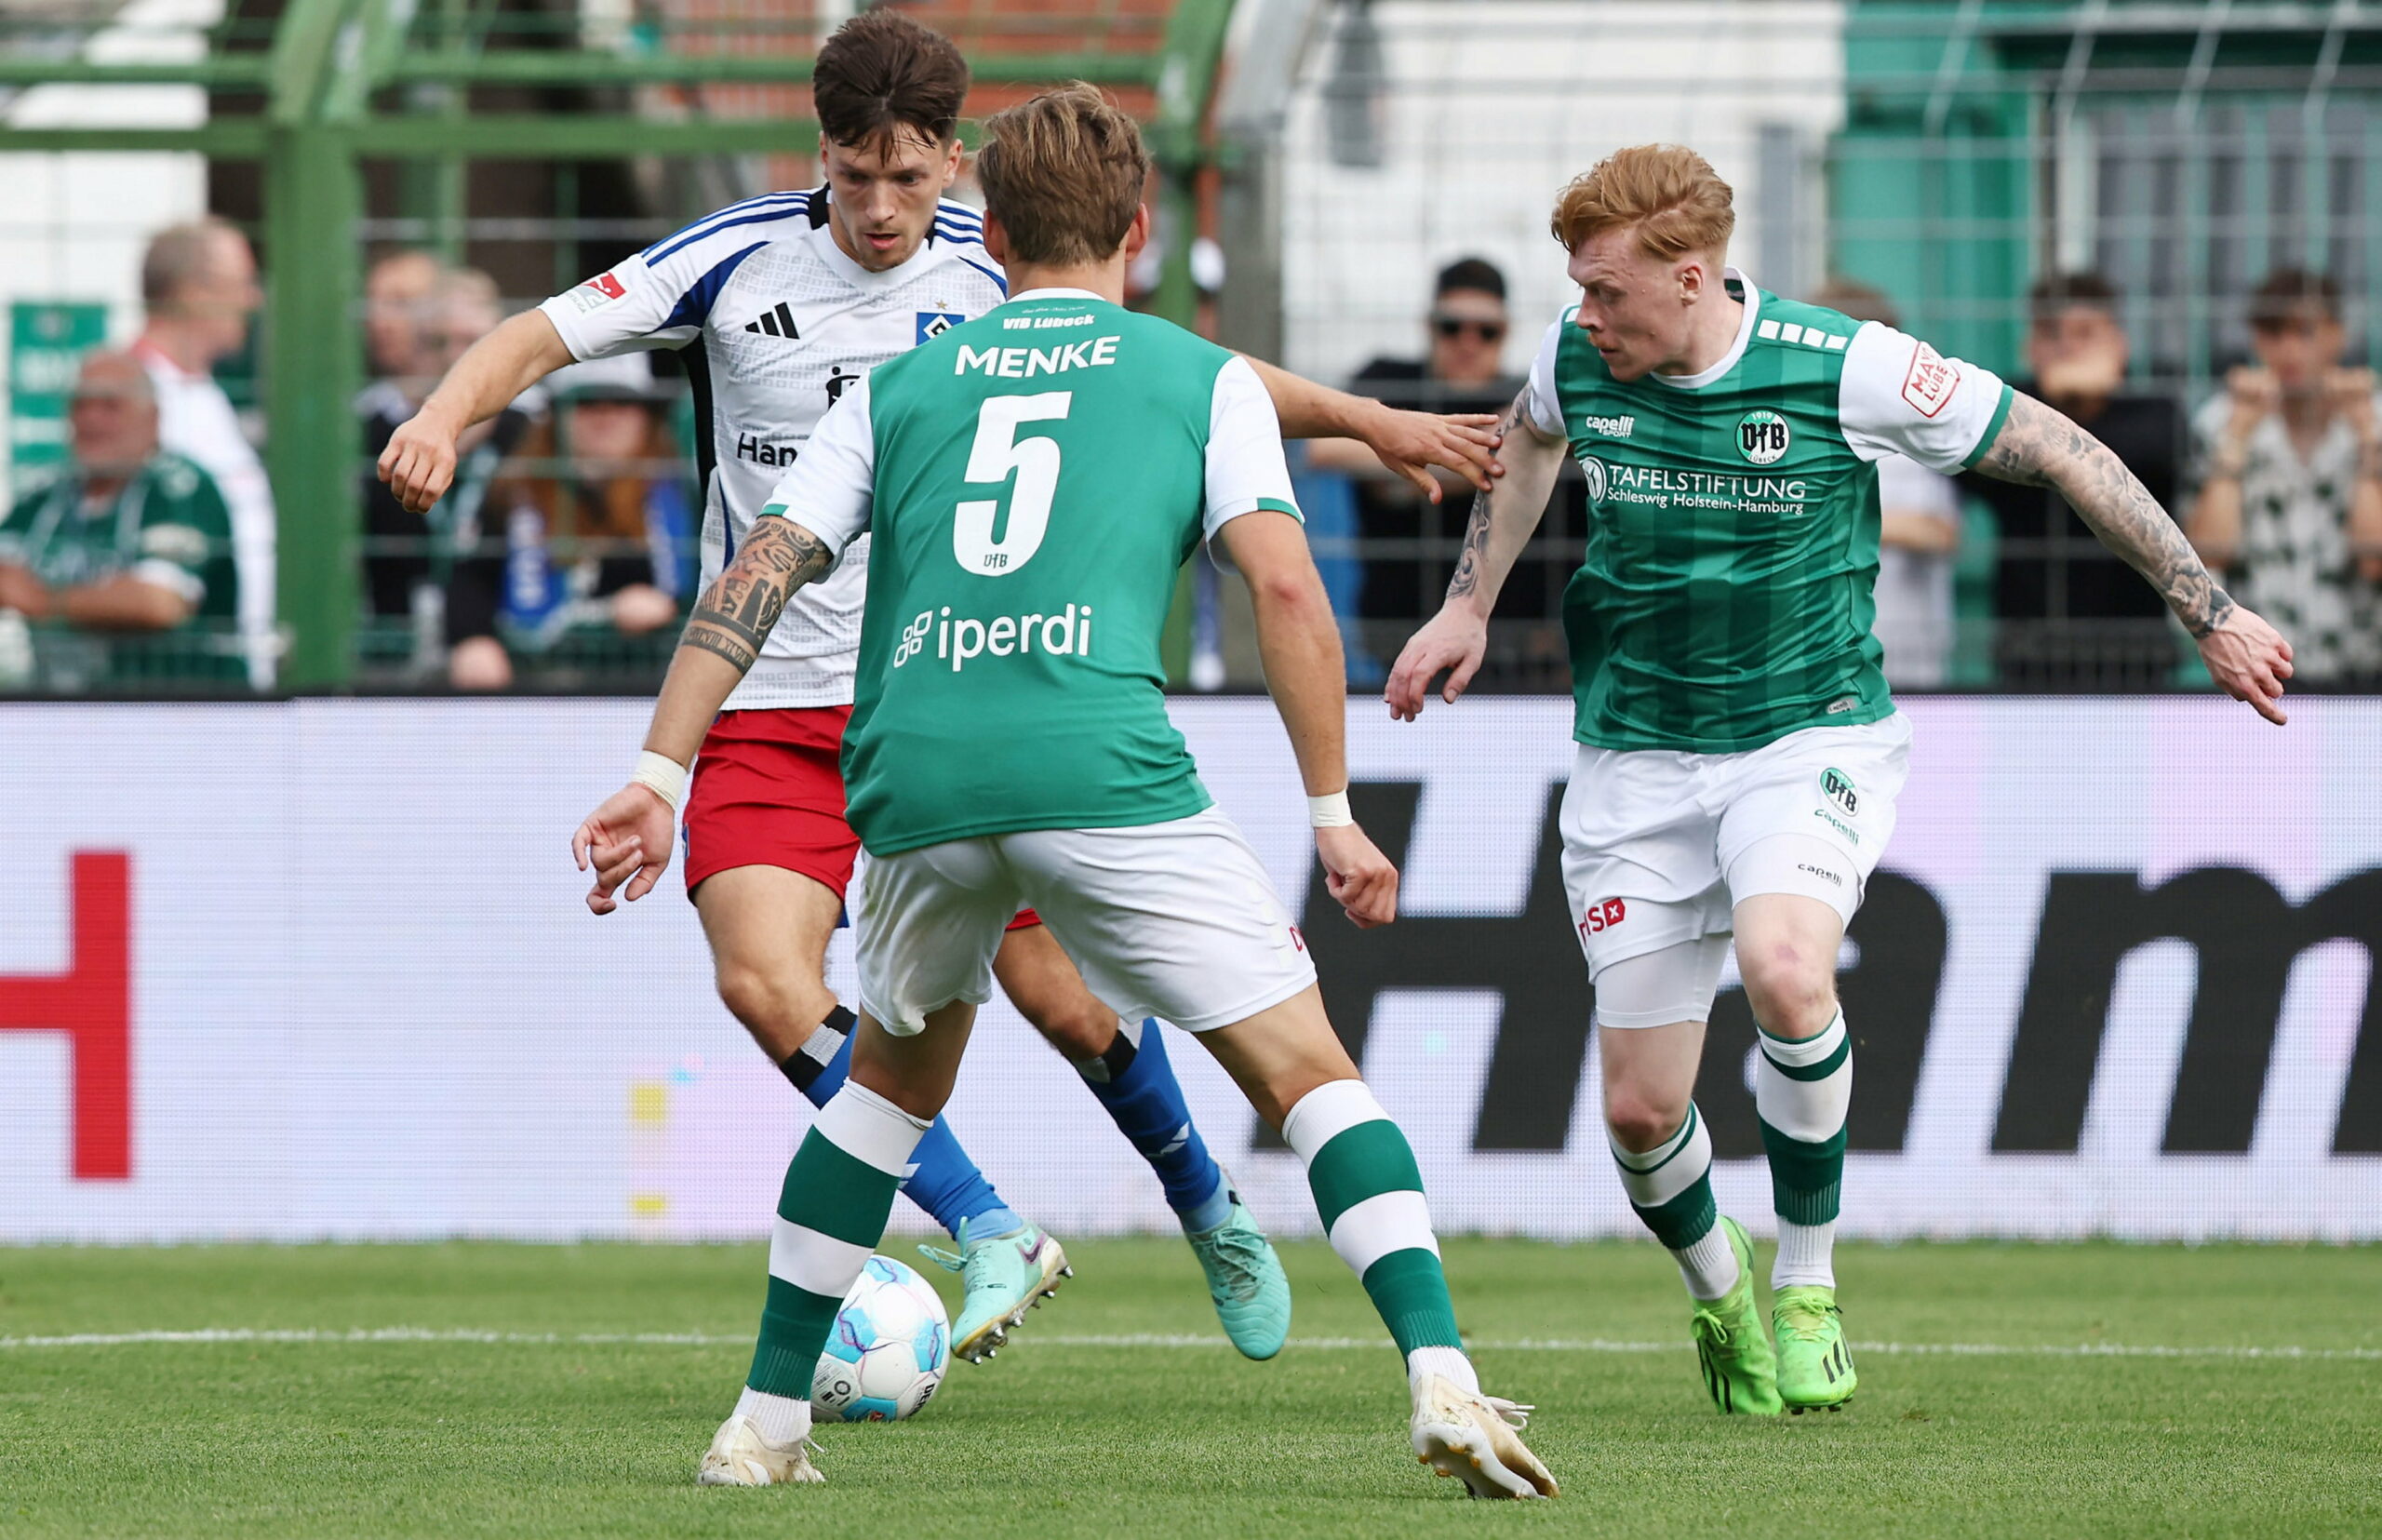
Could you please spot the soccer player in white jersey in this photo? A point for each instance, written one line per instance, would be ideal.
(1032, 483)
(1739, 754)
(782, 304)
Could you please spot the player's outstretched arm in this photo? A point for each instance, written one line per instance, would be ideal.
(1407, 442)
(1298, 640)
(628, 838)
(1455, 639)
(2038, 446)
(419, 464)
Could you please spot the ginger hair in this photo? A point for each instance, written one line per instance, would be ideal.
(1667, 193)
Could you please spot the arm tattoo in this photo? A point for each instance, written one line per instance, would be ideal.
(1475, 532)
(2039, 447)
(736, 614)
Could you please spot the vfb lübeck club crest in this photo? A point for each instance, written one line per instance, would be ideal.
(1761, 437)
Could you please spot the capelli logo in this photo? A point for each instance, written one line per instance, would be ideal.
(1611, 427)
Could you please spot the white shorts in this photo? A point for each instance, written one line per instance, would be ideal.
(1176, 920)
(1659, 846)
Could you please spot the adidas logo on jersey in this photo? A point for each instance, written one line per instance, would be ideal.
(777, 321)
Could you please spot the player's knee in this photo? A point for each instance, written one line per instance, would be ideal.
(1640, 1122)
(1080, 1029)
(1790, 986)
(778, 1009)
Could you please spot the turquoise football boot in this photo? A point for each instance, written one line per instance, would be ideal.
(1006, 1276)
(1245, 1278)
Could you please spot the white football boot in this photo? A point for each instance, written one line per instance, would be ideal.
(739, 1456)
(1473, 1438)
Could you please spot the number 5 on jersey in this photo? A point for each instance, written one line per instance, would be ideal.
(997, 453)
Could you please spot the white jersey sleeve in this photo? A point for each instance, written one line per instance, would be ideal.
(1897, 395)
(1540, 407)
(1245, 469)
(661, 297)
(831, 489)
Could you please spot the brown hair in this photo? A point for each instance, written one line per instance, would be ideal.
(2287, 292)
(1063, 173)
(1667, 193)
(2055, 294)
(882, 72)
(1856, 301)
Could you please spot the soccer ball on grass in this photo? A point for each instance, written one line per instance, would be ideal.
(888, 1351)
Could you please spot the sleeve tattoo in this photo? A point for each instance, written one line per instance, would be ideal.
(2039, 447)
(1475, 532)
(736, 613)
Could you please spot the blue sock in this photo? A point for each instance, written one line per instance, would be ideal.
(945, 1183)
(1136, 1084)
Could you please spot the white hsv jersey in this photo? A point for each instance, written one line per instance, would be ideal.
(777, 323)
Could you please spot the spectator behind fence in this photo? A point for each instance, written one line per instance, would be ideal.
(126, 556)
(1918, 531)
(2071, 614)
(410, 559)
(2287, 466)
(573, 564)
(198, 287)
(1463, 371)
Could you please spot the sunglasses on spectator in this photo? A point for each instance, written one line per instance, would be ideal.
(1452, 327)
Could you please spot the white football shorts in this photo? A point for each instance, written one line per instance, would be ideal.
(1659, 846)
(1176, 920)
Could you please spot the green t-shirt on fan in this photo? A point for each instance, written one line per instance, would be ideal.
(1724, 599)
(1032, 482)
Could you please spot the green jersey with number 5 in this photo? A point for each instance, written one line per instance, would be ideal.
(1032, 481)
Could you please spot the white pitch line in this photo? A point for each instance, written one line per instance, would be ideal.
(1157, 1340)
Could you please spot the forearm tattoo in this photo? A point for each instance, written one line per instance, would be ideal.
(1475, 532)
(2039, 447)
(736, 614)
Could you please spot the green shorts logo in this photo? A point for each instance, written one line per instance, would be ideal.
(1763, 437)
(1838, 787)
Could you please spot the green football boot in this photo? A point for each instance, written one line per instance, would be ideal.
(1245, 1278)
(1739, 1368)
(1006, 1276)
(1814, 1366)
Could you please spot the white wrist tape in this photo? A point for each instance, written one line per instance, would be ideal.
(1330, 812)
(664, 776)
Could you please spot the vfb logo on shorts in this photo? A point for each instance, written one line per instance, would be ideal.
(1840, 791)
(1763, 437)
(1603, 917)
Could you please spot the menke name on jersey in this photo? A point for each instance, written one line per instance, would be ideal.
(1026, 363)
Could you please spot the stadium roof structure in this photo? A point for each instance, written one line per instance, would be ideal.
(312, 89)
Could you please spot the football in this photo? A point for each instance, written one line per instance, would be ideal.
(889, 1350)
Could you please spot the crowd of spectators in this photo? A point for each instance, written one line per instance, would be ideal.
(570, 539)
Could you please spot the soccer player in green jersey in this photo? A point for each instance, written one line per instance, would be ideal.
(1033, 480)
(1739, 755)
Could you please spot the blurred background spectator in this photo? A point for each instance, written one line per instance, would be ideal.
(1916, 540)
(199, 290)
(419, 318)
(2073, 616)
(583, 553)
(130, 546)
(2287, 472)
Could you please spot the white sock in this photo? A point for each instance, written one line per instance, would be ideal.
(1709, 1266)
(1448, 1363)
(1806, 1254)
(780, 1420)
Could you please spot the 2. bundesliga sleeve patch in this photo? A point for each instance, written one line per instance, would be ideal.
(1929, 386)
(599, 292)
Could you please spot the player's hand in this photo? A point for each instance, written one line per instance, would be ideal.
(1411, 442)
(627, 839)
(1453, 642)
(2350, 395)
(1357, 875)
(2249, 660)
(419, 464)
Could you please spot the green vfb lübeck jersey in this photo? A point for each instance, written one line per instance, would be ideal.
(1032, 482)
(1724, 599)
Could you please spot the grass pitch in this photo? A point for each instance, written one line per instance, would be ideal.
(2007, 1391)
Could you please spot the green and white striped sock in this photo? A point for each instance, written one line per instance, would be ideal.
(1670, 1189)
(1802, 1089)
(1370, 1194)
(839, 1194)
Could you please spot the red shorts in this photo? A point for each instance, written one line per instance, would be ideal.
(769, 791)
